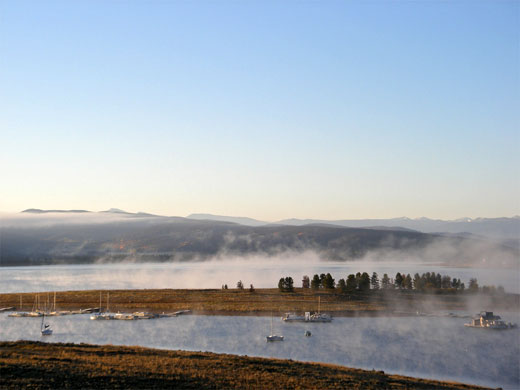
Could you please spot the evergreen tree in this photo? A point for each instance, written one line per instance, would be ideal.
(407, 282)
(286, 284)
(322, 278)
(417, 282)
(398, 280)
(315, 282)
(374, 281)
(364, 282)
(351, 283)
(240, 285)
(328, 282)
(446, 281)
(358, 279)
(438, 281)
(289, 284)
(306, 282)
(385, 282)
(342, 286)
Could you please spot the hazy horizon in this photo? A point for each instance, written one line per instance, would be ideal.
(64, 212)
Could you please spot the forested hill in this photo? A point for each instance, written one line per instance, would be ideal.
(91, 237)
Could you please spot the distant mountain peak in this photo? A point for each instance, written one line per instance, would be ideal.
(240, 220)
(40, 211)
(116, 211)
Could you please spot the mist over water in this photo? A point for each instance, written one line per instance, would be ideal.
(431, 347)
(261, 272)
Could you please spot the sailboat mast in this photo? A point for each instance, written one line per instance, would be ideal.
(54, 300)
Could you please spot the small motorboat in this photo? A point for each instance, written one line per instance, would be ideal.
(45, 329)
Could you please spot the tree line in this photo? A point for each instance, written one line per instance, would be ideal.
(428, 281)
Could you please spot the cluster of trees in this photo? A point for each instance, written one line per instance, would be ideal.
(286, 284)
(365, 282)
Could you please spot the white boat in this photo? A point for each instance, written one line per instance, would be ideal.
(124, 316)
(45, 329)
(320, 317)
(273, 337)
(308, 317)
(102, 316)
(292, 317)
(142, 315)
(487, 320)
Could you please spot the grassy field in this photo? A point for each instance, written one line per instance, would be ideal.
(36, 365)
(265, 301)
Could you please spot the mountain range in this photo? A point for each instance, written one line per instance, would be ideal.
(79, 236)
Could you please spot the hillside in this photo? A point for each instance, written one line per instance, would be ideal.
(37, 365)
(45, 238)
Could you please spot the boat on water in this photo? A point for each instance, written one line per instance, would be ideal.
(45, 329)
(273, 337)
(124, 317)
(487, 320)
(320, 317)
(308, 317)
(142, 315)
(102, 316)
(293, 317)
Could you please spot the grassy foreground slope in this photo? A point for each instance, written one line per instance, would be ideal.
(265, 301)
(37, 365)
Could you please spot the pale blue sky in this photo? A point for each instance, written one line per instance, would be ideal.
(264, 109)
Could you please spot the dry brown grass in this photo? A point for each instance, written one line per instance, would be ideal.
(261, 301)
(36, 365)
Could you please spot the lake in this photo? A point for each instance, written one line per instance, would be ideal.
(429, 347)
(213, 274)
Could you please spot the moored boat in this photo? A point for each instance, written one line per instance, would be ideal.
(273, 337)
(487, 320)
(45, 329)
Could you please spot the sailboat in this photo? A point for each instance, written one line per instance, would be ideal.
(319, 317)
(36, 312)
(273, 337)
(45, 329)
(100, 315)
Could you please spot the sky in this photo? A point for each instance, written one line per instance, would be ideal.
(266, 109)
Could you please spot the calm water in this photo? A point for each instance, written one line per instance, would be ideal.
(214, 274)
(433, 347)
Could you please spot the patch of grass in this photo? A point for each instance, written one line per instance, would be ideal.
(37, 365)
(261, 301)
